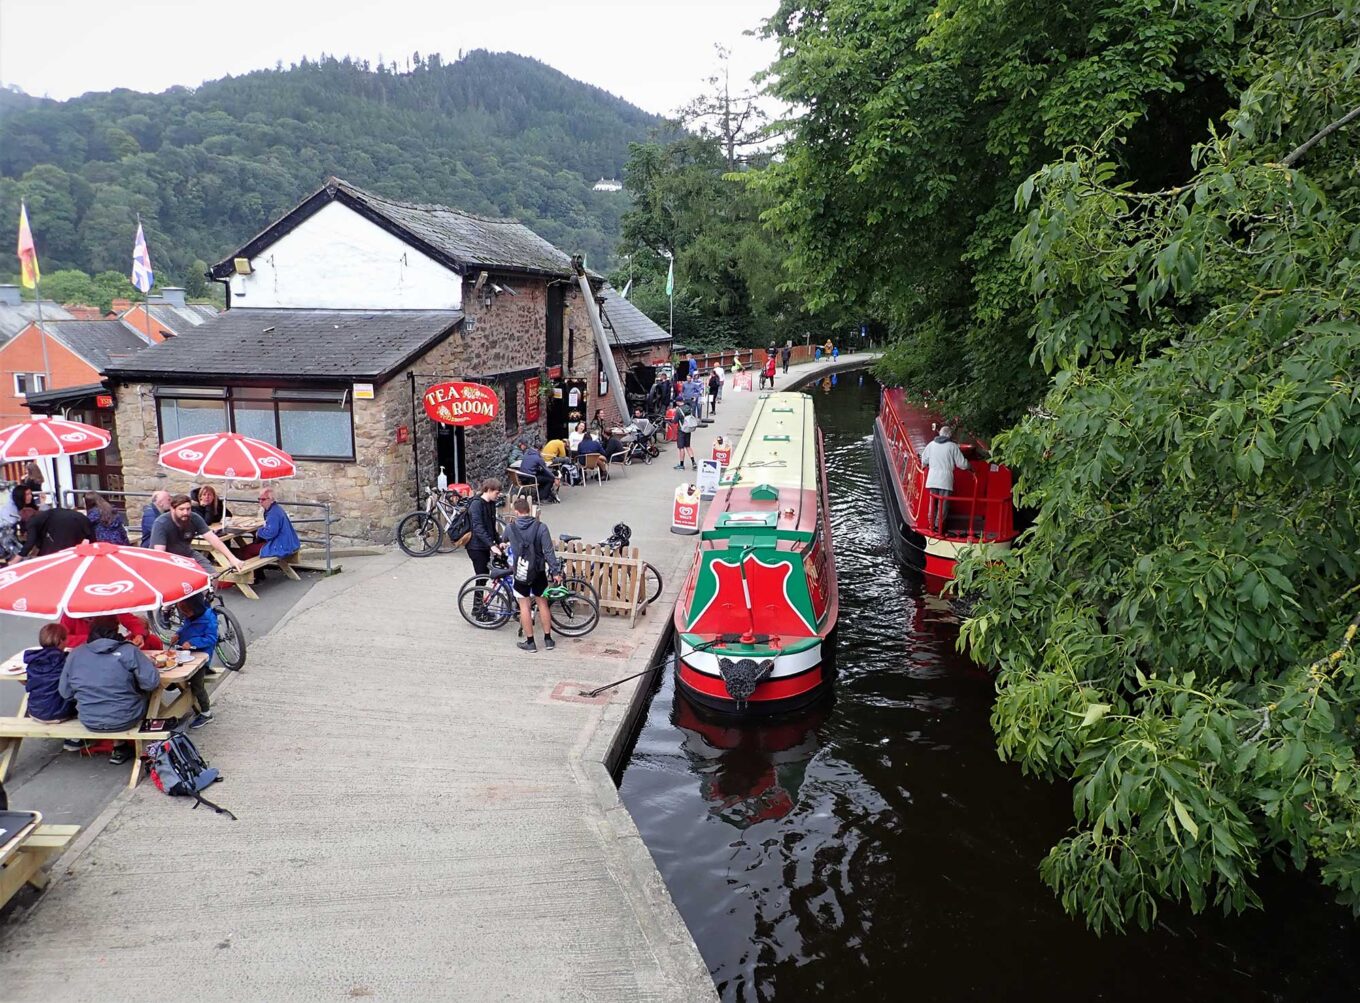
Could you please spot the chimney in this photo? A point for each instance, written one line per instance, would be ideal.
(9, 295)
(174, 295)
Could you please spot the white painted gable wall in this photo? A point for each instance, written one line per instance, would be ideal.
(337, 260)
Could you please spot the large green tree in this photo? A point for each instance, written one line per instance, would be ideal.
(918, 119)
(1177, 633)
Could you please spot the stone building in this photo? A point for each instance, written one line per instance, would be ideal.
(339, 316)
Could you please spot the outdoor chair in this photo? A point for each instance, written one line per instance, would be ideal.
(522, 484)
(596, 464)
(618, 459)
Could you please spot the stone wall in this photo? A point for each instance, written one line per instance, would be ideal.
(366, 496)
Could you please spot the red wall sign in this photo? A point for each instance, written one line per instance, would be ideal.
(461, 404)
(103, 400)
(531, 402)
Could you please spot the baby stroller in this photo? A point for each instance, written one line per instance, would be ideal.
(640, 447)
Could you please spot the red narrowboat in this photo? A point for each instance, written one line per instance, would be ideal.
(979, 513)
(756, 613)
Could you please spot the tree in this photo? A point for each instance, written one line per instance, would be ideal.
(1177, 634)
(736, 120)
(916, 123)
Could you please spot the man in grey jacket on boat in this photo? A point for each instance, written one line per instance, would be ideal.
(941, 457)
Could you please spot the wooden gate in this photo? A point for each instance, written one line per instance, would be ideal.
(617, 576)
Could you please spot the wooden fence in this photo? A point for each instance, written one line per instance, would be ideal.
(617, 576)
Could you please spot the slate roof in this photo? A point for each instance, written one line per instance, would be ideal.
(338, 346)
(628, 326)
(177, 318)
(460, 240)
(14, 319)
(98, 342)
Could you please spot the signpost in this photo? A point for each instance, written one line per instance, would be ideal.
(685, 513)
(462, 405)
(709, 473)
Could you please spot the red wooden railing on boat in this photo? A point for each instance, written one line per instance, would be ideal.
(980, 509)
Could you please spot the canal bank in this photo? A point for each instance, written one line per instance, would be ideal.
(424, 811)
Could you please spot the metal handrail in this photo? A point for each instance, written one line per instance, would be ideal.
(73, 497)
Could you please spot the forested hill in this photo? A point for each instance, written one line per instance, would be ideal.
(207, 168)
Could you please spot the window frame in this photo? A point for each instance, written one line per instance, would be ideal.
(39, 379)
(273, 396)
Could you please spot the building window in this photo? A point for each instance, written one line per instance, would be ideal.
(308, 424)
(24, 383)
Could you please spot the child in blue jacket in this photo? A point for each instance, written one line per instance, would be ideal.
(43, 667)
(198, 632)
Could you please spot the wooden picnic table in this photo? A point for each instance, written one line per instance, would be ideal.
(25, 847)
(14, 730)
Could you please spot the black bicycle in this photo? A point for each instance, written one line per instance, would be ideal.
(489, 602)
(430, 530)
(231, 636)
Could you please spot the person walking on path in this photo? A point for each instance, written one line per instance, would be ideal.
(826, 349)
(835, 352)
(714, 391)
(941, 457)
(767, 375)
(684, 439)
(722, 378)
(534, 560)
(785, 354)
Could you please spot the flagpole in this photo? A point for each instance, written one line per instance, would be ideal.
(42, 340)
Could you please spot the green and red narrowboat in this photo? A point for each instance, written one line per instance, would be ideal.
(756, 613)
(980, 513)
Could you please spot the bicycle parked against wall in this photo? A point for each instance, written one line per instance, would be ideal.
(231, 636)
(436, 527)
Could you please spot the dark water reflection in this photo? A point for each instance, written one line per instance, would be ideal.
(877, 846)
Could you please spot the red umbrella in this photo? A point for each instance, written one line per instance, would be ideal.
(43, 436)
(227, 455)
(91, 579)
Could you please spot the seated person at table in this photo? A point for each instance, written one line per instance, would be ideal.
(160, 502)
(589, 445)
(533, 465)
(198, 632)
(553, 449)
(643, 424)
(107, 521)
(43, 667)
(613, 445)
(135, 628)
(517, 449)
(207, 505)
(175, 531)
(575, 436)
(55, 529)
(276, 538)
(111, 682)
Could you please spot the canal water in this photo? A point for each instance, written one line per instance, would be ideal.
(877, 845)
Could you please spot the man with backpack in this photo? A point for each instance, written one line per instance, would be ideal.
(534, 559)
(684, 438)
(486, 538)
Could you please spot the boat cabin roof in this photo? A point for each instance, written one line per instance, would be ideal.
(769, 492)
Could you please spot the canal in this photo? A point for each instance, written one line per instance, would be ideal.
(877, 845)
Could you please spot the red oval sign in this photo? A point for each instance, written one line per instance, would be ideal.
(462, 404)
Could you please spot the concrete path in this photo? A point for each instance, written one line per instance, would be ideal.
(422, 814)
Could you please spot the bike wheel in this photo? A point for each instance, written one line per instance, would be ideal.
(485, 604)
(166, 622)
(418, 534)
(231, 639)
(651, 583)
(447, 545)
(576, 614)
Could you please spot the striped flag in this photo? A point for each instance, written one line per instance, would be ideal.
(28, 254)
(142, 275)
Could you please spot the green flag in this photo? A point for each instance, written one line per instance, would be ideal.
(670, 279)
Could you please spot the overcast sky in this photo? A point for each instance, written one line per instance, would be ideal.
(655, 54)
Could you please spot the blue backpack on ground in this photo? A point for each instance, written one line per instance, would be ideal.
(178, 769)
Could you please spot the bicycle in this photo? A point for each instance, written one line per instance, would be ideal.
(489, 602)
(427, 531)
(231, 636)
(615, 545)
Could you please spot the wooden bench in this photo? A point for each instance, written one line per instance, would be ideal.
(23, 865)
(245, 578)
(13, 730)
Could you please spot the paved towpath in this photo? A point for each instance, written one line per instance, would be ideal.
(419, 816)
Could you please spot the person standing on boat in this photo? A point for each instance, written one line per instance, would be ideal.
(941, 457)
